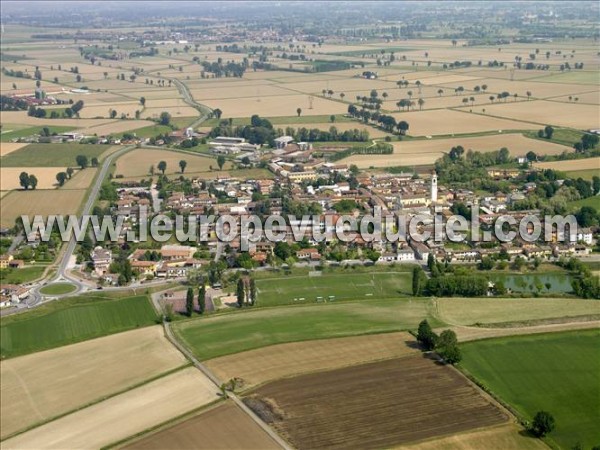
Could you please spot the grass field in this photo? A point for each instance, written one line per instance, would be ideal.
(20, 131)
(57, 289)
(594, 202)
(572, 165)
(223, 427)
(376, 405)
(353, 286)
(19, 276)
(585, 174)
(9, 147)
(52, 155)
(72, 320)
(77, 375)
(470, 311)
(558, 373)
(284, 360)
(124, 415)
(232, 333)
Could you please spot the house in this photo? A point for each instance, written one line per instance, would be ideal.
(16, 264)
(308, 253)
(5, 261)
(144, 268)
(173, 252)
(421, 250)
(387, 257)
(102, 259)
(406, 255)
(585, 235)
(12, 293)
(282, 141)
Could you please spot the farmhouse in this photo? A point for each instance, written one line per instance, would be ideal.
(5, 261)
(101, 258)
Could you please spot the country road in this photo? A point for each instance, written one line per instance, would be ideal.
(212, 377)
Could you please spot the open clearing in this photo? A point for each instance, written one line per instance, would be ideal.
(409, 153)
(508, 436)
(72, 320)
(222, 427)
(377, 405)
(79, 374)
(44, 202)
(232, 333)
(558, 373)
(123, 415)
(9, 147)
(285, 360)
(447, 122)
(46, 176)
(302, 289)
(137, 162)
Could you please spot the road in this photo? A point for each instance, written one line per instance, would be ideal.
(67, 254)
(212, 377)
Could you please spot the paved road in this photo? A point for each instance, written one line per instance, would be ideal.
(67, 254)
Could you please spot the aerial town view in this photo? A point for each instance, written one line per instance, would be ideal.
(300, 225)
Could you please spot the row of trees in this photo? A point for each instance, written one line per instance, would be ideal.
(246, 292)
(201, 301)
(388, 123)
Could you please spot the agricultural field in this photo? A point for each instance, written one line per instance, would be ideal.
(233, 333)
(558, 373)
(123, 415)
(79, 374)
(419, 152)
(579, 116)
(451, 122)
(137, 163)
(220, 428)
(471, 311)
(508, 436)
(256, 367)
(72, 320)
(341, 127)
(52, 155)
(23, 275)
(46, 176)
(44, 202)
(574, 165)
(376, 405)
(9, 147)
(297, 290)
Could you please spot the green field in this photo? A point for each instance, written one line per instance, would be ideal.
(237, 332)
(564, 136)
(344, 286)
(57, 289)
(577, 77)
(52, 155)
(558, 373)
(585, 174)
(20, 276)
(10, 132)
(72, 320)
(594, 202)
(150, 131)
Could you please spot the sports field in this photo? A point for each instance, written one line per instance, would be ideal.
(232, 333)
(558, 373)
(72, 320)
(307, 289)
(77, 375)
